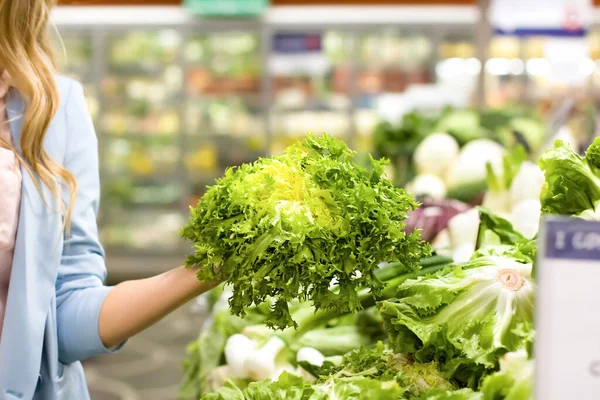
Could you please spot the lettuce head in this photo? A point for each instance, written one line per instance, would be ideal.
(464, 317)
(288, 227)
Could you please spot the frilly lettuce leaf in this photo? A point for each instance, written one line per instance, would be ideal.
(382, 363)
(291, 387)
(464, 317)
(514, 381)
(462, 394)
(287, 227)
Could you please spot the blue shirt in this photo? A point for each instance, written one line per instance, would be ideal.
(56, 288)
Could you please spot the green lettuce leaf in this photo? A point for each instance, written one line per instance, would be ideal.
(464, 317)
(287, 227)
(462, 124)
(497, 237)
(514, 381)
(500, 227)
(572, 182)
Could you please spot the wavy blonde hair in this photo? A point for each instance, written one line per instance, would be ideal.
(26, 54)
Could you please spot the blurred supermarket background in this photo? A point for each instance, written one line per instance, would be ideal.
(178, 96)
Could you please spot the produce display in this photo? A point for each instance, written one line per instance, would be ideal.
(429, 335)
(430, 327)
(439, 329)
(446, 155)
(140, 141)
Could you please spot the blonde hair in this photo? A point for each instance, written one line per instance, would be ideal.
(26, 54)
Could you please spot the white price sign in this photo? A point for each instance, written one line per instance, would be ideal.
(541, 17)
(567, 346)
(298, 54)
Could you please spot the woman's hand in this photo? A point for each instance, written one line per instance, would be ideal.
(133, 306)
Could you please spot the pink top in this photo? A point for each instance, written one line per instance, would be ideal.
(10, 182)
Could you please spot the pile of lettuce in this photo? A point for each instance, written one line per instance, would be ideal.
(430, 329)
(442, 332)
(328, 332)
(309, 225)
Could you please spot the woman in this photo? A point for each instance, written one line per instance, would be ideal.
(54, 307)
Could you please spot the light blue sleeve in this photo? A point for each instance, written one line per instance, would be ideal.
(80, 288)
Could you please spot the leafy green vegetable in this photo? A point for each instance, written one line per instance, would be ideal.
(392, 141)
(511, 163)
(381, 363)
(329, 332)
(514, 381)
(206, 353)
(287, 227)
(462, 124)
(291, 387)
(462, 394)
(398, 143)
(572, 182)
(527, 131)
(464, 317)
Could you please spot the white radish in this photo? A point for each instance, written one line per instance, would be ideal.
(497, 201)
(237, 350)
(435, 154)
(464, 228)
(429, 186)
(304, 374)
(280, 369)
(527, 183)
(470, 166)
(526, 217)
(442, 244)
(463, 252)
(217, 378)
(261, 364)
(311, 356)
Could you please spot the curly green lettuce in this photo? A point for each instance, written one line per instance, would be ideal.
(292, 387)
(288, 227)
(380, 362)
(464, 317)
(462, 394)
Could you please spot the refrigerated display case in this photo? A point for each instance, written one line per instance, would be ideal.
(224, 119)
(173, 108)
(141, 125)
(309, 83)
